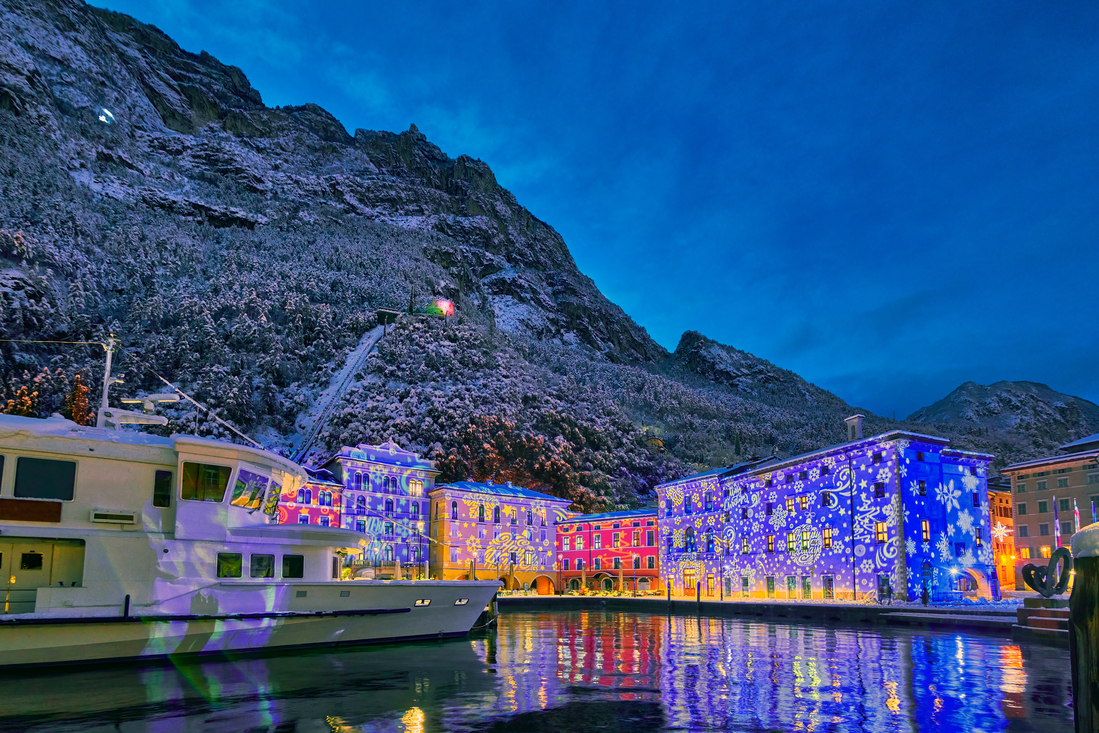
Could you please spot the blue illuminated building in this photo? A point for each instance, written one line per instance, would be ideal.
(889, 514)
(385, 498)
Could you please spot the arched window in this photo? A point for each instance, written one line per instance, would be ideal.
(636, 562)
(436, 510)
(580, 563)
(389, 553)
(481, 513)
(453, 510)
(414, 510)
(358, 481)
(308, 496)
(496, 514)
(301, 496)
(543, 516)
(709, 541)
(689, 539)
(389, 507)
(530, 517)
(360, 505)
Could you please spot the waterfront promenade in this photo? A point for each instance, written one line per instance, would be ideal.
(996, 618)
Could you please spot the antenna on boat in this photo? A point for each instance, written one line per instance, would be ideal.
(101, 418)
(114, 419)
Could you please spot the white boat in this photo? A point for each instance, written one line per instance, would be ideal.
(116, 544)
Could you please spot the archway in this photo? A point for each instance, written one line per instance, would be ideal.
(544, 585)
(574, 584)
(509, 581)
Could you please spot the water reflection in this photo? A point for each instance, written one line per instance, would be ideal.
(582, 670)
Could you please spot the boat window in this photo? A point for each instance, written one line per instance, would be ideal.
(293, 566)
(263, 566)
(203, 482)
(230, 564)
(40, 478)
(30, 561)
(162, 489)
(1, 470)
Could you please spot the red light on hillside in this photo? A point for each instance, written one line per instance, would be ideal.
(446, 306)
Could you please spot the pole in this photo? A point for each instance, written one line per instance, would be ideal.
(109, 346)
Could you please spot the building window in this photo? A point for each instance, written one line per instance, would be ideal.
(744, 512)
(925, 530)
(1043, 507)
(358, 484)
(360, 526)
(415, 510)
(637, 538)
(770, 586)
(828, 534)
(1043, 530)
(1041, 486)
(919, 455)
(650, 562)
(597, 563)
(1024, 531)
(303, 519)
(877, 458)
(481, 513)
(1024, 553)
(805, 540)
(580, 563)
(1064, 505)
(879, 490)
(324, 521)
(597, 542)
(744, 546)
(770, 543)
(1066, 528)
(789, 478)
(1062, 483)
(790, 544)
(923, 487)
(650, 538)
(979, 538)
(496, 514)
(1022, 510)
(387, 528)
(789, 505)
(688, 502)
(879, 532)
(709, 502)
(515, 516)
(616, 541)
(1045, 551)
(564, 544)
(959, 549)
(825, 470)
(565, 564)
(826, 498)
(803, 502)
(580, 543)
(803, 475)
(262, 566)
(1020, 488)
(1093, 478)
(769, 509)
(976, 499)
(636, 562)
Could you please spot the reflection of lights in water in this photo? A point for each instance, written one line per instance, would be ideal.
(1014, 678)
(106, 116)
(413, 721)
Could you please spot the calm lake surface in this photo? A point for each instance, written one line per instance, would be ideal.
(580, 671)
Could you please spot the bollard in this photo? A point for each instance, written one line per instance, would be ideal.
(1083, 629)
(126, 607)
(698, 592)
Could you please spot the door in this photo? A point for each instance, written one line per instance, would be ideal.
(807, 587)
(791, 587)
(829, 587)
(27, 570)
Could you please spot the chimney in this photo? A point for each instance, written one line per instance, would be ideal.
(854, 427)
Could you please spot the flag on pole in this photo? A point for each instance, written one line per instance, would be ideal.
(1076, 509)
(1056, 523)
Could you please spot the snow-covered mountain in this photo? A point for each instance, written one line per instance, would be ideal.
(241, 252)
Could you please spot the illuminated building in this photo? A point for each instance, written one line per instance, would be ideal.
(1002, 522)
(506, 531)
(1048, 491)
(601, 548)
(316, 502)
(384, 489)
(897, 511)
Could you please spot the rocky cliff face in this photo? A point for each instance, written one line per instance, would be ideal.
(142, 121)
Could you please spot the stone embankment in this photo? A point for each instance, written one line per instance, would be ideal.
(994, 620)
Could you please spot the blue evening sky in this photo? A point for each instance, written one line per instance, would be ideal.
(889, 198)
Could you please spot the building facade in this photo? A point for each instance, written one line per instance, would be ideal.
(316, 502)
(612, 551)
(385, 490)
(1047, 494)
(889, 514)
(501, 531)
(1003, 523)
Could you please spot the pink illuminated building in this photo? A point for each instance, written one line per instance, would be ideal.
(602, 551)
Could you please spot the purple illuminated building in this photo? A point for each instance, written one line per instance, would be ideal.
(873, 517)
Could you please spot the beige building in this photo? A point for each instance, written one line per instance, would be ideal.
(1047, 494)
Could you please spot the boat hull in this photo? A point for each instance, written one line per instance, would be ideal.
(392, 615)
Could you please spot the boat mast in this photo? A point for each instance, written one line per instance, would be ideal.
(109, 346)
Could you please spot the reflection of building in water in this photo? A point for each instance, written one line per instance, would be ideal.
(384, 490)
(505, 531)
(888, 514)
(606, 549)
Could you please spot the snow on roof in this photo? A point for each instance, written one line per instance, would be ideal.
(321, 476)
(1082, 444)
(611, 516)
(58, 427)
(499, 490)
(388, 453)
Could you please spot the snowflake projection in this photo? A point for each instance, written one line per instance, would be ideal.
(678, 538)
(903, 471)
(971, 483)
(866, 565)
(914, 488)
(806, 554)
(885, 475)
(943, 546)
(910, 546)
(951, 530)
(925, 547)
(772, 496)
(757, 526)
(814, 474)
(907, 515)
(985, 555)
(947, 495)
(778, 517)
(967, 558)
(1000, 531)
(902, 446)
(965, 522)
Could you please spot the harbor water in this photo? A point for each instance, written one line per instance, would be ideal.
(579, 670)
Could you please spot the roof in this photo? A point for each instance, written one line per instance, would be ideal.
(388, 453)
(1082, 444)
(724, 471)
(1053, 460)
(498, 490)
(610, 516)
(321, 476)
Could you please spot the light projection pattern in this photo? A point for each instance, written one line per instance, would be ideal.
(834, 523)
